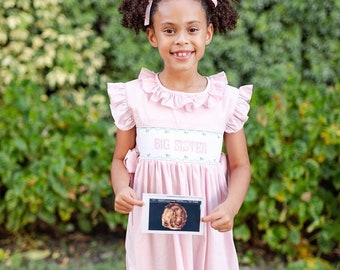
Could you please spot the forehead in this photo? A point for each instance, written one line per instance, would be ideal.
(180, 10)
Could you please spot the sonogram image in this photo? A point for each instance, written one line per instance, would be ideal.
(174, 216)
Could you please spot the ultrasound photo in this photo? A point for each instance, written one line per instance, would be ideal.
(172, 214)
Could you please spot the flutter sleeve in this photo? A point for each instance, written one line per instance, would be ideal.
(240, 115)
(120, 110)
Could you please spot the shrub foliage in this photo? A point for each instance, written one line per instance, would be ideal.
(294, 145)
(57, 137)
(54, 159)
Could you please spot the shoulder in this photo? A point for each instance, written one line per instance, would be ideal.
(145, 76)
(220, 83)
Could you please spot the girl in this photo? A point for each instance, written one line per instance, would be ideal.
(170, 128)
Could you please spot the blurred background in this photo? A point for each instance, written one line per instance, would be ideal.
(57, 134)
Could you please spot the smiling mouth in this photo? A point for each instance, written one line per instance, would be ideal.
(182, 55)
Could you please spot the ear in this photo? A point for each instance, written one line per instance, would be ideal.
(150, 33)
(210, 34)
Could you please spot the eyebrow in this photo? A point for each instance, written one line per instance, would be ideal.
(191, 22)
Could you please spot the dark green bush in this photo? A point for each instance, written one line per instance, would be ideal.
(294, 145)
(275, 40)
(55, 156)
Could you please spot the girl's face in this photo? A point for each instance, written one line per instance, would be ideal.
(180, 32)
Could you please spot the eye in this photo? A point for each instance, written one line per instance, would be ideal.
(193, 29)
(168, 31)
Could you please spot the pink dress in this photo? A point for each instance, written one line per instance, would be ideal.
(178, 152)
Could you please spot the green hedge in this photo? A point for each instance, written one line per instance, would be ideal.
(55, 155)
(294, 146)
(40, 42)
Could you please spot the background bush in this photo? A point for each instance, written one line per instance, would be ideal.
(42, 43)
(54, 159)
(294, 145)
(57, 136)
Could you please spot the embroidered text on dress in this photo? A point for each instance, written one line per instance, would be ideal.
(181, 145)
(178, 144)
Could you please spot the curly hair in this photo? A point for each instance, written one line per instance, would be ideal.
(223, 17)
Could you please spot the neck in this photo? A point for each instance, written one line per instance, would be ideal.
(183, 81)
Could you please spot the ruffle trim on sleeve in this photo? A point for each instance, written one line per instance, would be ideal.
(240, 115)
(120, 109)
(180, 100)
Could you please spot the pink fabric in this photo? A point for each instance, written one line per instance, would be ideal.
(148, 13)
(220, 108)
(131, 160)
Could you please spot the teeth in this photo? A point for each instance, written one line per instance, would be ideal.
(182, 54)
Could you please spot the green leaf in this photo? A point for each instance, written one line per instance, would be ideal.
(36, 254)
(242, 232)
(251, 194)
(47, 216)
(294, 236)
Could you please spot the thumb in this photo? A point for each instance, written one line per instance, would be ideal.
(209, 218)
(133, 199)
(138, 202)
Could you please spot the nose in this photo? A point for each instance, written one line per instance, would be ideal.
(182, 38)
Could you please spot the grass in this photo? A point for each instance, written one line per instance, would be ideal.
(76, 251)
(72, 265)
(106, 252)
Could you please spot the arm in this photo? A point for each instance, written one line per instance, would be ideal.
(222, 218)
(125, 196)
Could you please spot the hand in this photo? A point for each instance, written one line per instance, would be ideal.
(221, 218)
(125, 200)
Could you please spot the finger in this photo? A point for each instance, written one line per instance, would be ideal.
(219, 225)
(133, 201)
(222, 225)
(225, 228)
(124, 205)
(210, 218)
(124, 212)
(222, 230)
(123, 208)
